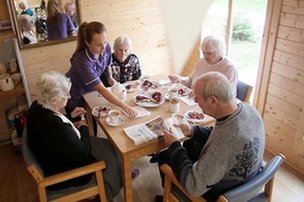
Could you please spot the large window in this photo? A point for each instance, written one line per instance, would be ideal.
(247, 22)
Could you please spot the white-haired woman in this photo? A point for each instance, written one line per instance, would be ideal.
(25, 9)
(125, 65)
(60, 144)
(27, 24)
(214, 59)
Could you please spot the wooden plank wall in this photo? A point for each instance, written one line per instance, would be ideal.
(283, 101)
(4, 15)
(141, 20)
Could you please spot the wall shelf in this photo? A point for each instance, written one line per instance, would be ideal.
(18, 91)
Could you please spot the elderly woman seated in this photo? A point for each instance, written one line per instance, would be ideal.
(27, 24)
(214, 59)
(125, 65)
(59, 144)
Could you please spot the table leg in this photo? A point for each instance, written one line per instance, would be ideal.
(127, 180)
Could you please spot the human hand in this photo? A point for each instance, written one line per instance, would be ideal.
(78, 111)
(129, 111)
(78, 124)
(174, 78)
(185, 127)
(112, 81)
(191, 95)
(74, 33)
(169, 138)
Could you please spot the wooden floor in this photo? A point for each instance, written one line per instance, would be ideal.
(18, 186)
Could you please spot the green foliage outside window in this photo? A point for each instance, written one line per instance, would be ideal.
(242, 29)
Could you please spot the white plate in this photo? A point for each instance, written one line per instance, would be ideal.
(114, 124)
(133, 87)
(182, 90)
(154, 86)
(194, 120)
(149, 102)
(98, 112)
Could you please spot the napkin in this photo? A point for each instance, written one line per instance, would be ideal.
(166, 83)
(188, 101)
(141, 111)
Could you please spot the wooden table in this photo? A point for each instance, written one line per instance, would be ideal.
(125, 146)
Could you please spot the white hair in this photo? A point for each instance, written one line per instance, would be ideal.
(122, 40)
(23, 3)
(52, 85)
(216, 84)
(26, 22)
(215, 44)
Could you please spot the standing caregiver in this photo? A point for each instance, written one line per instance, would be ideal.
(89, 61)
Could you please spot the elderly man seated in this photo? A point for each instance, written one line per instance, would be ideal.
(218, 158)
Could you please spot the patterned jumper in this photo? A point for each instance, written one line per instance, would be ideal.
(232, 154)
(128, 70)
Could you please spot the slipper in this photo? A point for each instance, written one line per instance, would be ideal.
(135, 172)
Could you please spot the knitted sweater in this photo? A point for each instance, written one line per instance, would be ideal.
(224, 66)
(233, 152)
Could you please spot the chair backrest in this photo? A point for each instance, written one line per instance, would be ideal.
(76, 193)
(243, 91)
(249, 191)
(30, 159)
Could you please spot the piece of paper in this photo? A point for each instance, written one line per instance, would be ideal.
(153, 129)
(188, 101)
(176, 131)
(141, 111)
(144, 132)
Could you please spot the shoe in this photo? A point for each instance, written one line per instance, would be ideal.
(135, 172)
(154, 158)
(158, 198)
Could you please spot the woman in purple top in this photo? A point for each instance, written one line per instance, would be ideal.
(90, 60)
(59, 25)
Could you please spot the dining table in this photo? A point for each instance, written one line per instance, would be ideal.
(125, 147)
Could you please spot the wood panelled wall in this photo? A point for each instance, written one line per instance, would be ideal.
(141, 20)
(281, 81)
(4, 15)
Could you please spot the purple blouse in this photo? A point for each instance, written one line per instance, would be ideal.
(61, 29)
(85, 73)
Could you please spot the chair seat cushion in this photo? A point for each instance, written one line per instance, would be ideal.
(62, 192)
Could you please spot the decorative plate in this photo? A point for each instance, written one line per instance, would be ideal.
(100, 111)
(108, 121)
(131, 87)
(194, 116)
(148, 85)
(149, 99)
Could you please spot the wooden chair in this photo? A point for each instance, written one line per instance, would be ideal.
(93, 188)
(249, 191)
(243, 91)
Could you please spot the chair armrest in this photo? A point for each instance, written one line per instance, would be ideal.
(166, 169)
(77, 172)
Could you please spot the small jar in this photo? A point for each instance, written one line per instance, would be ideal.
(174, 105)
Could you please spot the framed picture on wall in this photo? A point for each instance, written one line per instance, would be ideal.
(6, 22)
(5, 25)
